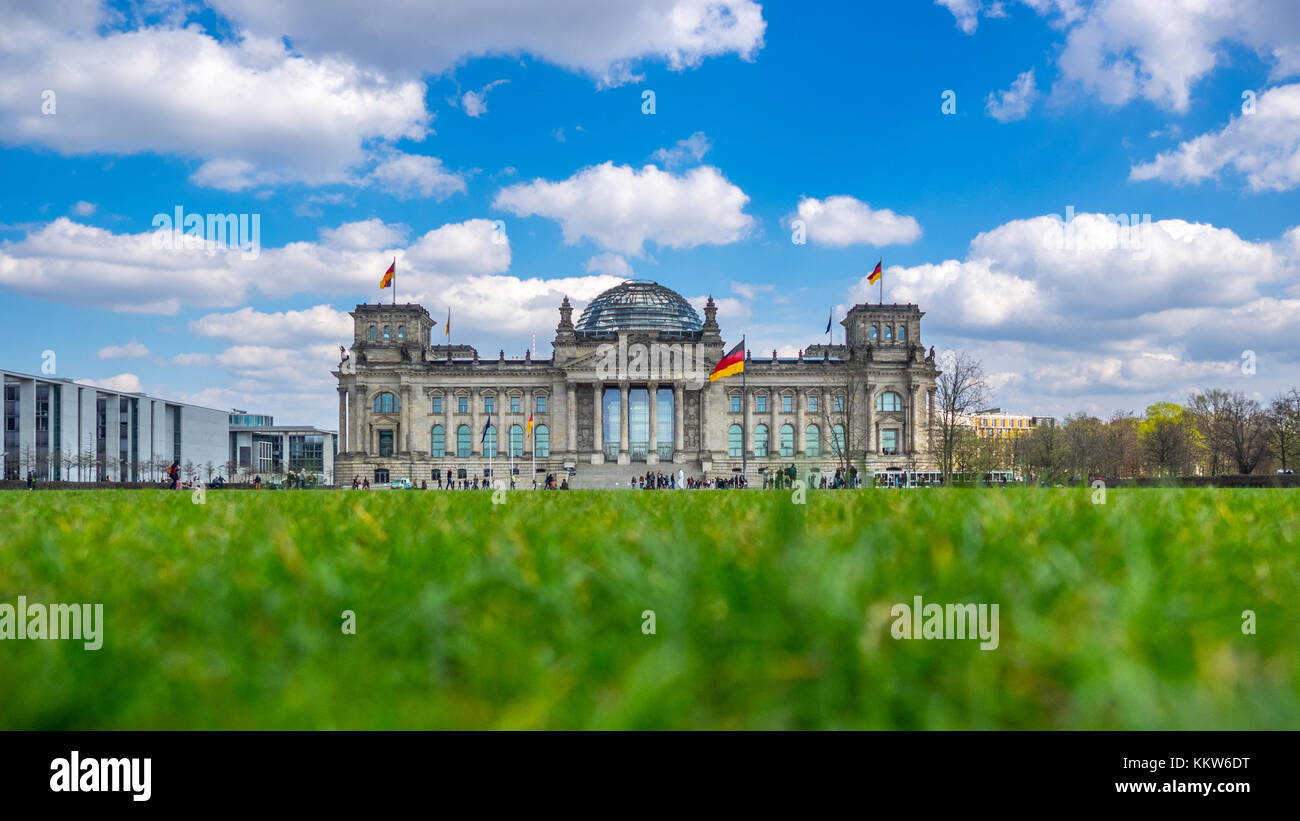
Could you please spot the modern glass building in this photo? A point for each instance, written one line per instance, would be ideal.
(259, 447)
(57, 429)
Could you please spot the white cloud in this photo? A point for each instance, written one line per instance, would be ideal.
(320, 323)
(475, 102)
(1015, 102)
(411, 175)
(249, 111)
(123, 383)
(597, 38)
(612, 264)
(1156, 50)
(621, 208)
(690, 150)
(842, 220)
(78, 264)
(130, 350)
(83, 208)
(1263, 146)
(1089, 321)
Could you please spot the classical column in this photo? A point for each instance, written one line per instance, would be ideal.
(929, 423)
(652, 447)
(503, 429)
(343, 419)
(748, 440)
(358, 439)
(624, 417)
(705, 409)
(404, 418)
(598, 441)
(800, 446)
(869, 431)
(570, 411)
(679, 424)
(913, 417)
(475, 424)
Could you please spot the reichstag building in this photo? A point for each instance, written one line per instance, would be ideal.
(625, 391)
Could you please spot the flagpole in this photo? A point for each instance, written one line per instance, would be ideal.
(394, 280)
(744, 428)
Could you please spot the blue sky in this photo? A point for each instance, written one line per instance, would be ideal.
(411, 131)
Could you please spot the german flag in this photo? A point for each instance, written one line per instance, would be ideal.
(875, 275)
(732, 363)
(528, 431)
(389, 274)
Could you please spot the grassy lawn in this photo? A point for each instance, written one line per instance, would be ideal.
(768, 614)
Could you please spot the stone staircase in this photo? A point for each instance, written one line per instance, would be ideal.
(613, 476)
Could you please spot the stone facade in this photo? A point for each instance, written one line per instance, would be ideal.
(408, 407)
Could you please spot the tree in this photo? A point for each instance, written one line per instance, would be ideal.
(1284, 428)
(1244, 431)
(1046, 454)
(1169, 438)
(849, 391)
(960, 390)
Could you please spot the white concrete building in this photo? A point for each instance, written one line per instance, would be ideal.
(58, 429)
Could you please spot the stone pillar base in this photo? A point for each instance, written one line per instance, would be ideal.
(624, 458)
(652, 458)
(598, 458)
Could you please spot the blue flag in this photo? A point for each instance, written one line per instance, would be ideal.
(486, 425)
(828, 322)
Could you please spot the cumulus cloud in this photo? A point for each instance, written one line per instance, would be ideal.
(613, 264)
(1015, 102)
(842, 220)
(78, 264)
(1085, 312)
(123, 383)
(130, 350)
(690, 150)
(411, 175)
(603, 40)
(83, 208)
(318, 323)
(1264, 146)
(249, 111)
(1156, 50)
(621, 208)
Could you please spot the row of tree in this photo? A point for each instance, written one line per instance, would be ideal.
(1215, 432)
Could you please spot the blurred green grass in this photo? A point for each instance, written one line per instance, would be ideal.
(769, 614)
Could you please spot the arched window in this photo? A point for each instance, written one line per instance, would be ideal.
(374, 333)
(889, 401)
(401, 332)
(902, 333)
(812, 440)
(735, 442)
(787, 440)
(516, 440)
(438, 442)
(490, 440)
(541, 441)
(388, 332)
(837, 434)
(385, 403)
(463, 441)
(889, 332)
(875, 332)
(760, 440)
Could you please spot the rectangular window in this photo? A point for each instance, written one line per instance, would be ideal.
(385, 443)
(462, 404)
(437, 404)
(839, 404)
(541, 404)
(787, 404)
(889, 440)
(514, 404)
(735, 404)
(761, 403)
(812, 404)
(489, 404)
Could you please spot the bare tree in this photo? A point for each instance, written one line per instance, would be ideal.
(1284, 428)
(1244, 431)
(841, 404)
(960, 390)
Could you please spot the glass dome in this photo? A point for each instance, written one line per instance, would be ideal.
(639, 305)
